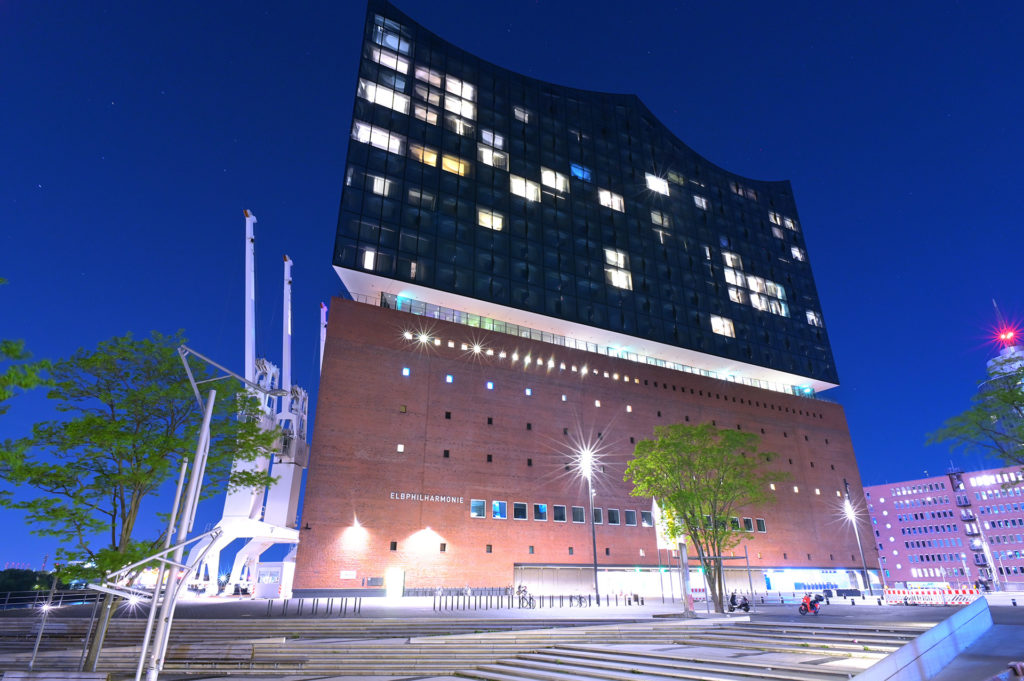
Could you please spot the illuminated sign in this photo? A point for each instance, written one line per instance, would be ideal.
(417, 496)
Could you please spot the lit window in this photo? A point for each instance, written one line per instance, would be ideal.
(788, 223)
(489, 219)
(492, 139)
(755, 284)
(722, 326)
(565, 397)
(400, 448)
(418, 197)
(813, 318)
(521, 114)
(556, 181)
(427, 94)
(796, 490)
(673, 176)
(661, 219)
(460, 126)
(580, 172)
(597, 403)
(778, 307)
(774, 218)
(499, 510)
(518, 511)
(733, 277)
(611, 200)
(737, 295)
(629, 408)
(389, 59)
(423, 154)
(462, 107)
(381, 186)
(496, 159)
(700, 202)
(459, 88)
(774, 290)
(657, 184)
(759, 302)
(817, 491)
(477, 508)
(619, 278)
(405, 371)
(540, 511)
(378, 94)
(429, 76)
(614, 258)
(449, 379)
(528, 391)
(490, 385)
(425, 113)
(798, 254)
(771, 486)
(522, 187)
(378, 137)
(453, 164)
(388, 33)
(778, 233)
(732, 260)
(369, 258)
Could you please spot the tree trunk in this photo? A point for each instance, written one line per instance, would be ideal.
(102, 622)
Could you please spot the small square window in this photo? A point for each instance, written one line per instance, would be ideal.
(540, 511)
(558, 514)
(490, 385)
(564, 398)
(490, 458)
(402, 409)
(405, 371)
(597, 403)
(580, 172)
(449, 379)
(598, 516)
(630, 518)
(570, 550)
(394, 546)
(613, 516)
(400, 448)
(579, 514)
(646, 519)
(748, 524)
(607, 551)
(489, 549)
(477, 508)
(529, 426)
(519, 511)
(657, 184)
(447, 454)
(531, 549)
(629, 408)
(499, 510)
(521, 114)
(448, 415)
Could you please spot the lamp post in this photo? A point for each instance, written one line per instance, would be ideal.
(585, 463)
(851, 515)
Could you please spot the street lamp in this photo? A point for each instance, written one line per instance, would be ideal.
(585, 467)
(851, 515)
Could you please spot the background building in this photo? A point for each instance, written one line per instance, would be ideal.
(530, 269)
(955, 528)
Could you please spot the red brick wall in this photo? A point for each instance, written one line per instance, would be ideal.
(355, 467)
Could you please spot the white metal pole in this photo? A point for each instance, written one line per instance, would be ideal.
(323, 333)
(286, 339)
(163, 631)
(250, 297)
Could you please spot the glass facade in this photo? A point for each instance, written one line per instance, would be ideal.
(471, 179)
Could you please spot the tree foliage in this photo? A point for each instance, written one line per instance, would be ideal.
(17, 371)
(131, 418)
(701, 477)
(994, 423)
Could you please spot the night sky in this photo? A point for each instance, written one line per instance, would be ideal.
(132, 136)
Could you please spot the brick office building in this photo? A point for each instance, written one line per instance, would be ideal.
(530, 270)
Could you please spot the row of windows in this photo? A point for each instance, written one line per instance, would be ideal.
(550, 363)
(520, 511)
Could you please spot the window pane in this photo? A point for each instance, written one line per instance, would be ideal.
(630, 517)
(578, 514)
(519, 511)
(558, 513)
(646, 519)
(540, 511)
(598, 517)
(613, 516)
(499, 510)
(477, 508)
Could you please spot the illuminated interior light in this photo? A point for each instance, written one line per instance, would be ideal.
(489, 352)
(526, 360)
(477, 349)
(407, 335)
(515, 356)
(424, 338)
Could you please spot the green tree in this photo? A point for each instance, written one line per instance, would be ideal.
(131, 419)
(16, 371)
(701, 477)
(994, 423)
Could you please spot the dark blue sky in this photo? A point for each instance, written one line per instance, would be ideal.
(133, 134)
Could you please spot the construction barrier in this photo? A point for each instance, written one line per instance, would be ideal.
(931, 596)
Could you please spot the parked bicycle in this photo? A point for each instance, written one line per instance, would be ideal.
(579, 601)
(525, 598)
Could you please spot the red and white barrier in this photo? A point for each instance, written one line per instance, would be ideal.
(931, 596)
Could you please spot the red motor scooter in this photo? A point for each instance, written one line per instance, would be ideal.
(811, 605)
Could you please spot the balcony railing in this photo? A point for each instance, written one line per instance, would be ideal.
(423, 309)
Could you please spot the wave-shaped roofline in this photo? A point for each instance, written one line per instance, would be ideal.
(632, 98)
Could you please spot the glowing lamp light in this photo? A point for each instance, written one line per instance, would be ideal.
(407, 335)
(424, 338)
(586, 462)
(477, 349)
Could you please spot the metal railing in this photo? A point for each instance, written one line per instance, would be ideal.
(11, 600)
(447, 314)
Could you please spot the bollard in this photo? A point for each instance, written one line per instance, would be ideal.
(879, 601)
(853, 602)
(270, 607)
(1014, 602)
(762, 600)
(826, 601)
(641, 600)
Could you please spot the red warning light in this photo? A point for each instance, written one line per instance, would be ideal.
(1007, 335)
